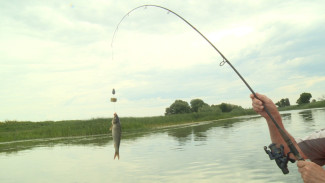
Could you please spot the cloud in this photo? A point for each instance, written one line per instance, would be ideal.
(56, 59)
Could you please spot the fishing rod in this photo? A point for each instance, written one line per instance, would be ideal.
(274, 153)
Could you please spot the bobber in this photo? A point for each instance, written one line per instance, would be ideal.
(113, 99)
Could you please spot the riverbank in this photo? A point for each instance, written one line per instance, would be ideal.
(25, 130)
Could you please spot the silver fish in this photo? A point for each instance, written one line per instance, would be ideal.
(116, 134)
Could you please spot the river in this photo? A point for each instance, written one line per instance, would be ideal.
(216, 151)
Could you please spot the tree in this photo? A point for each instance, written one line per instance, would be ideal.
(225, 107)
(196, 104)
(228, 107)
(304, 98)
(207, 108)
(178, 107)
(283, 102)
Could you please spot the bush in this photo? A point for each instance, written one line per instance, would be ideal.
(304, 98)
(178, 107)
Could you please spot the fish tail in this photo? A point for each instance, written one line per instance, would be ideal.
(117, 154)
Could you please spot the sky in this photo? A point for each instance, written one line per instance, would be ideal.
(59, 61)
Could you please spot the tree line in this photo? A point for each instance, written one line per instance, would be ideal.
(198, 105)
(303, 99)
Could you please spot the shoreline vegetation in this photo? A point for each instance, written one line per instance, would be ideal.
(26, 130)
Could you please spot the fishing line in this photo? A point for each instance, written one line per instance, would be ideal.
(225, 60)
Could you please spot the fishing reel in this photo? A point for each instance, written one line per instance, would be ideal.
(277, 153)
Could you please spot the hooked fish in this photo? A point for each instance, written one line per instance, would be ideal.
(116, 134)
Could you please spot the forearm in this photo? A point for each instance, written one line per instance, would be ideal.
(260, 103)
(277, 138)
(274, 132)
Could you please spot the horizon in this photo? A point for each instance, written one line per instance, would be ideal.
(319, 100)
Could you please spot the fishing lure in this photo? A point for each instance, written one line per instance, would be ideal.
(285, 137)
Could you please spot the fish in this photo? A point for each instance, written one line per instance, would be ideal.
(116, 134)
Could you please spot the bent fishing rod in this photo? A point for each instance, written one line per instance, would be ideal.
(285, 137)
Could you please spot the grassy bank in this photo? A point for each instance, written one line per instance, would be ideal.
(19, 130)
(14, 130)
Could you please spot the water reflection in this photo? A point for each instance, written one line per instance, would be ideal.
(15, 147)
(286, 116)
(96, 141)
(198, 132)
(182, 135)
(307, 115)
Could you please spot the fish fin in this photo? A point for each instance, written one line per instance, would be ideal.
(117, 154)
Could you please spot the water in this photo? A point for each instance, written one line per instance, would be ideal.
(222, 151)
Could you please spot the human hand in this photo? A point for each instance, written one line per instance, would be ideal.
(258, 107)
(311, 172)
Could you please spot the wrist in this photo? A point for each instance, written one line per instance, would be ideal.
(275, 114)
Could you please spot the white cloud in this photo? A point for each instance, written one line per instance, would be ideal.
(56, 61)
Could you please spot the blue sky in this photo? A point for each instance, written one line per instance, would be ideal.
(56, 58)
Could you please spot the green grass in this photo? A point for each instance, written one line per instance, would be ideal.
(19, 130)
(14, 130)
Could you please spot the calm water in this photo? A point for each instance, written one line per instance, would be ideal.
(204, 152)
